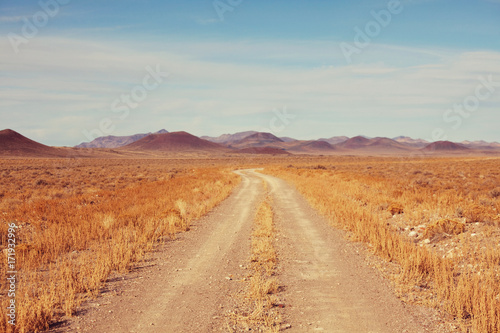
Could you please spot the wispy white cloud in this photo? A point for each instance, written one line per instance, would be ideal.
(9, 19)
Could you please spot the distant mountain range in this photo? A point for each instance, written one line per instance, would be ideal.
(248, 139)
(112, 141)
(335, 139)
(250, 142)
(480, 144)
(228, 138)
(419, 143)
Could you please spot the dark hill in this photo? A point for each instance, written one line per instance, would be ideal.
(444, 146)
(173, 142)
(15, 144)
(354, 143)
(257, 140)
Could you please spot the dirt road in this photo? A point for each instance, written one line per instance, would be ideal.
(189, 284)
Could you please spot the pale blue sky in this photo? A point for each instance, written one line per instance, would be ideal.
(70, 70)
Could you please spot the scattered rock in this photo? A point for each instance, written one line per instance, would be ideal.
(421, 228)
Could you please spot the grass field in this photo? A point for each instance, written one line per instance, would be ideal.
(435, 222)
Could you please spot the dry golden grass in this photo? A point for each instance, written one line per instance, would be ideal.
(81, 220)
(444, 226)
(437, 219)
(260, 308)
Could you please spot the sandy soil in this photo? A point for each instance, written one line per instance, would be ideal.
(189, 284)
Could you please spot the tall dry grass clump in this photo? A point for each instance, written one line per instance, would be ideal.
(73, 242)
(406, 218)
(261, 305)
